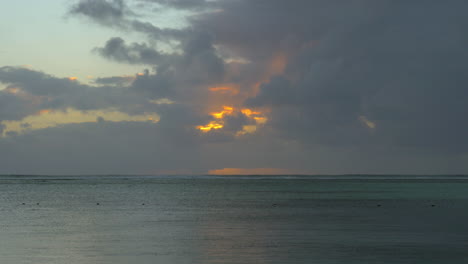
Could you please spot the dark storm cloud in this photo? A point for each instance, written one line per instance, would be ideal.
(103, 147)
(401, 67)
(136, 147)
(254, 29)
(365, 84)
(200, 63)
(358, 73)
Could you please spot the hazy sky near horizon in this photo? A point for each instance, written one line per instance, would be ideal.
(233, 87)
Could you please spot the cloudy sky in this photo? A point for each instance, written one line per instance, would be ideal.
(233, 87)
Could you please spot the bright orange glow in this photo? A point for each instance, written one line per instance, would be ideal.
(253, 171)
(257, 116)
(227, 110)
(140, 74)
(209, 126)
(72, 78)
(260, 119)
(217, 89)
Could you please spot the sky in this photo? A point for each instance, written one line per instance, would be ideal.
(233, 87)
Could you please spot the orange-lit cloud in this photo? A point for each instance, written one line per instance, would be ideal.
(50, 118)
(12, 90)
(218, 123)
(260, 119)
(72, 78)
(43, 112)
(31, 98)
(247, 130)
(276, 66)
(249, 112)
(253, 171)
(224, 90)
(227, 110)
(257, 116)
(210, 126)
(228, 96)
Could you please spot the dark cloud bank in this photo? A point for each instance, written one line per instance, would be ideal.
(368, 87)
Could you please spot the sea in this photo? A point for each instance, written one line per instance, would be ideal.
(234, 219)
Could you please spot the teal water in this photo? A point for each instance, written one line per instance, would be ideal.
(348, 219)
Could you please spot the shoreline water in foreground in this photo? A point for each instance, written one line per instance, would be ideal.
(232, 219)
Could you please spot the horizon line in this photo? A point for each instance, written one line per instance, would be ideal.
(217, 175)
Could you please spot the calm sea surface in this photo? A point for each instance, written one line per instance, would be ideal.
(349, 219)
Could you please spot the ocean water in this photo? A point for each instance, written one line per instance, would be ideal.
(281, 219)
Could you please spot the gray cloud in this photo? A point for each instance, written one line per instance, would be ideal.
(103, 147)
(135, 53)
(166, 35)
(398, 66)
(155, 86)
(182, 4)
(36, 82)
(14, 108)
(37, 91)
(136, 147)
(114, 80)
(236, 122)
(198, 61)
(368, 86)
(180, 76)
(116, 14)
(108, 13)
